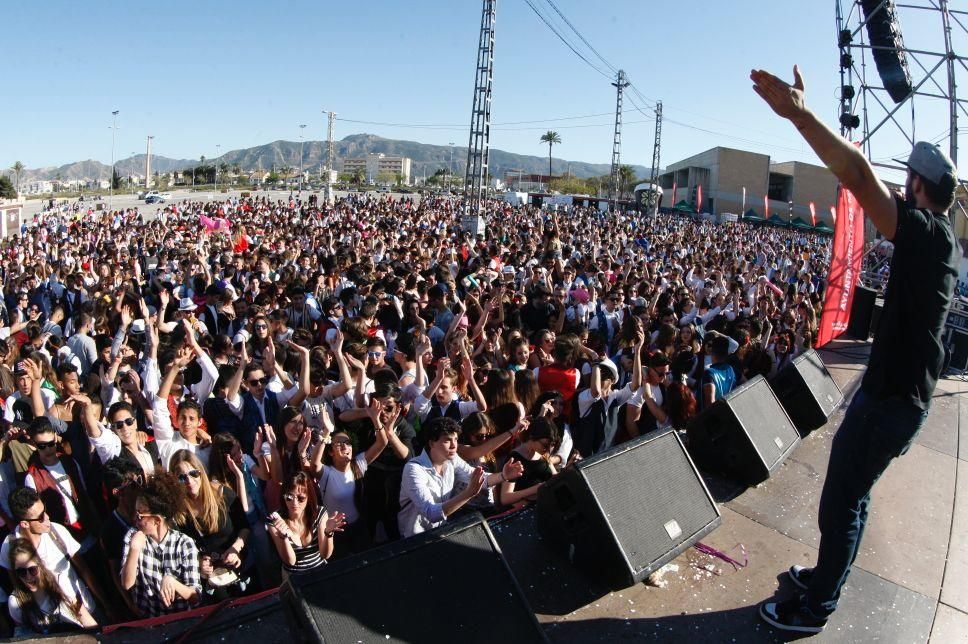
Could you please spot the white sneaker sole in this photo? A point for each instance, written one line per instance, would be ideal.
(773, 621)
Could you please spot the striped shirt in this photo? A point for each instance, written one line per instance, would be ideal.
(307, 556)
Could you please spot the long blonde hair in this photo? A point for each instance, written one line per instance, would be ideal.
(213, 506)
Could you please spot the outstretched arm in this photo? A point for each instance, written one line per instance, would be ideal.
(844, 160)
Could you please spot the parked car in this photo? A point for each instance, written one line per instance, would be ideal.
(150, 193)
(158, 197)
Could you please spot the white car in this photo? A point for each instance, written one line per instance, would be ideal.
(150, 193)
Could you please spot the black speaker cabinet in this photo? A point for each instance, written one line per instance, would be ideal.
(861, 313)
(745, 436)
(451, 584)
(807, 392)
(626, 512)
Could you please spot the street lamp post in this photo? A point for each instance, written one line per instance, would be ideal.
(218, 157)
(114, 129)
(450, 168)
(302, 141)
(148, 163)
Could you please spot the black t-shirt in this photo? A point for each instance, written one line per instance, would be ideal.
(907, 355)
(536, 471)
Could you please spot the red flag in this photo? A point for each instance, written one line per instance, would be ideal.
(845, 262)
(673, 194)
(766, 206)
(813, 214)
(699, 198)
(833, 214)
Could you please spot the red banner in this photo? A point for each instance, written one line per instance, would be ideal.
(699, 198)
(845, 262)
(813, 215)
(673, 203)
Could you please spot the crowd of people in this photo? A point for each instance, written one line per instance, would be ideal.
(192, 412)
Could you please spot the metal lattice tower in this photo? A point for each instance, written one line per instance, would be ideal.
(656, 149)
(876, 108)
(620, 84)
(478, 146)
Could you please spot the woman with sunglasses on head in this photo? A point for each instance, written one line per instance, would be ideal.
(340, 476)
(160, 569)
(303, 531)
(38, 604)
(213, 516)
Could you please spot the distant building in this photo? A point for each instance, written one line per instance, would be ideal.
(519, 182)
(726, 173)
(380, 167)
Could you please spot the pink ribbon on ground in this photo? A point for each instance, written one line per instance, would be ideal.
(712, 552)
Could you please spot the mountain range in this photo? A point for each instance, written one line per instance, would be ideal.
(426, 159)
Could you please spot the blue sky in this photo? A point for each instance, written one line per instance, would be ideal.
(197, 74)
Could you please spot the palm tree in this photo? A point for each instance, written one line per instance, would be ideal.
(550, 137)
(626, 177)
(17, 168)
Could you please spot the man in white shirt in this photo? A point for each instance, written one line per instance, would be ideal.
(427, 492)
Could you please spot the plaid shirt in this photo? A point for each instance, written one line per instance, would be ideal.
(177, 556)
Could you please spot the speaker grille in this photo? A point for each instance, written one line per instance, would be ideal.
(819, 382)
(650, 521)
(389, 594)
(765, 421)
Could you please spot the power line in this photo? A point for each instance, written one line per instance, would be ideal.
(565, 41)
(578, 33)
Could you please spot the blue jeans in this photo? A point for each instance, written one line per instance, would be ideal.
(872, 434)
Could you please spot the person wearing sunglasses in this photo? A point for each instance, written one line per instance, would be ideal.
(39, 605)
(214, 517)
(160, 564)
(120, 437)
(60, 483)
(55, 547)
(340, 475)
(303, 531)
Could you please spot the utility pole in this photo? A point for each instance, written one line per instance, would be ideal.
(148, 163)
(218, 156)
(479, 143)
(302, 141)
(620, 84)
(450, 167)
(114, 130)
(656, 149)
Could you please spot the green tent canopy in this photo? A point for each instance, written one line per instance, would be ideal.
(750, 215)
(800, 223)
(776, 220)
(823, 228)
(684, 206)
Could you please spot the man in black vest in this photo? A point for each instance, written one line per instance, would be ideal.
(906, 355)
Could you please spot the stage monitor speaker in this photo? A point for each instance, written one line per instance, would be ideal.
(861, 313)
(626, 512)
(887, 48)
(807, 392)
(392, 593)
(745, 436)
(957, 349)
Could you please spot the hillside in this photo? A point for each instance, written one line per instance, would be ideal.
(426, 159)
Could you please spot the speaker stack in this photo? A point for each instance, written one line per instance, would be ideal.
(807, 392)
(451, 584)
(745, 436)
(626, 512)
